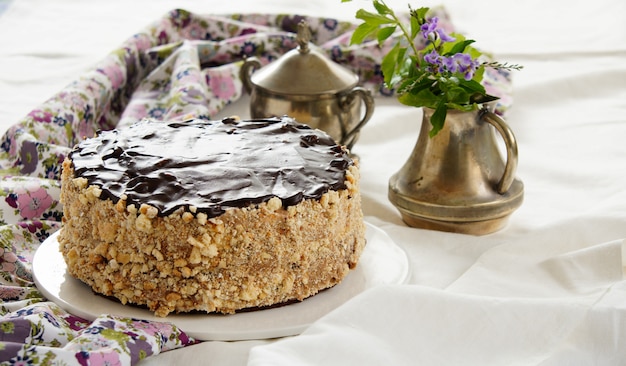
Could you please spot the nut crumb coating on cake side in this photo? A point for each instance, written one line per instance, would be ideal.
(255, 256)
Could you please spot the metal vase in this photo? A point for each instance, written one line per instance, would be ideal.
(458, 181)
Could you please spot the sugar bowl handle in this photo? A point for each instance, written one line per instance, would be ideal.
(349, 136)
(249, 65)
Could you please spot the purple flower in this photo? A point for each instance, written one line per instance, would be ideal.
(17, 332)
(104, 357)
(290, 24)
(336, 53)
(157, 112)
(93, 329)
(445, 36)
(41, 116)
(19, 359)
(462, 59)
(51, 319)
(430, 31)
(248, 48)
(449, 64)
(82, 357)
(436, 60)
(433, 58)
(330, 24)
(247, 31)
(460, 62)
(139, 349)
(75, 323)
(11, 200)
(59, 120)
(466, 65)
(429, 27)
(29, 156)
(163, 37)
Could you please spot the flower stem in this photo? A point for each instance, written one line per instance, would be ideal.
(405, 33)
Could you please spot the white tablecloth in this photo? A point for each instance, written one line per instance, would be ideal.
(546, 290)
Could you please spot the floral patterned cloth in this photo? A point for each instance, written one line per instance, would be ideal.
(183, 65)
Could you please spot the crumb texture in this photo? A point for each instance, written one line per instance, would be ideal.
(260, 255)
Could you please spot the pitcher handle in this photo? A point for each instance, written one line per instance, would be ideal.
(511, 149)
(368, 100)
(249, 65)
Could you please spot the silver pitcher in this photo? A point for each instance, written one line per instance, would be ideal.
(457, 180)
(304, 84)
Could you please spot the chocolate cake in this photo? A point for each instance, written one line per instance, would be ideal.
(213, 216)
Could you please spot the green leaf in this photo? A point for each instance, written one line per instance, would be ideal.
(478, 74)
(420, 14)
(438, 119)
(373, 18)
(473, 52)
(388, 65)
(457, 95)
(403, 62)
(472, 86)
(415, 84)
(447, 46)
(462, 107)
(415, 27)
(385, 33)
(423, 98)
(381, 7)
(361, 32)
(403, 68)
(409, 99)
(481, 98)
(458, 47)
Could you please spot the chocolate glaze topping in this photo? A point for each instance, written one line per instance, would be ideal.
(212, 165)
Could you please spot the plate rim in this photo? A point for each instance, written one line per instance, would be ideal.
(223, 334)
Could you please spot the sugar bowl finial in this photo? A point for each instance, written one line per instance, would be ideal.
(303, 37)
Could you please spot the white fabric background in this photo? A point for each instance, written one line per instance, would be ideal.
(546, 290)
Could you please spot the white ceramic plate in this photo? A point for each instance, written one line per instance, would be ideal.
(382, 262)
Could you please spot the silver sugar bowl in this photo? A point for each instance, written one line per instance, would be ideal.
(306, 85)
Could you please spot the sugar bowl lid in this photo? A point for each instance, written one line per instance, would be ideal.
(304, 71)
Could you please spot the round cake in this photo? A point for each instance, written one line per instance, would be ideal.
(211, 216)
